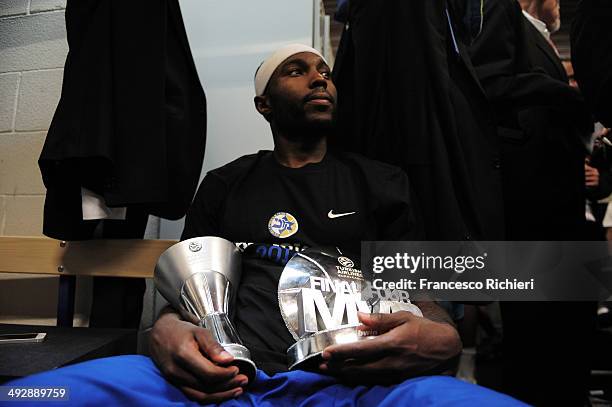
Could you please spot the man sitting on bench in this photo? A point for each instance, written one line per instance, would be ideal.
(297, 196)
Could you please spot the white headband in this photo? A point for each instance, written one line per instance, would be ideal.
(267, 67)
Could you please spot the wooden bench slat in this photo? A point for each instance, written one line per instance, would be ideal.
(112, 258)
(100, 257)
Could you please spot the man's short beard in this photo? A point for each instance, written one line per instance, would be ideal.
(292, 122)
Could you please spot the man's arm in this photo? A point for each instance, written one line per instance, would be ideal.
(203, 215)
(187, 354)
(397, 213)
(434, 312)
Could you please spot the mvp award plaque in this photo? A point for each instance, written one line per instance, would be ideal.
(319, 294)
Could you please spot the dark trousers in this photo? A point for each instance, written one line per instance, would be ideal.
(117, 302)
(547, 351)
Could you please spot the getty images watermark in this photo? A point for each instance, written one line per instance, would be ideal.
(486, 271)
(457, 264)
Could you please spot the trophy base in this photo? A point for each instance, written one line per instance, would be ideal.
(242, 359)
(305, 354)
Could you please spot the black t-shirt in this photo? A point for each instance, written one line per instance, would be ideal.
(272, 211)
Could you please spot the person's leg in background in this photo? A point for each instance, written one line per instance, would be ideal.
(117, 302)
(546, 353)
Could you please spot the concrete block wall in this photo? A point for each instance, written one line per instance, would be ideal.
(33, 51)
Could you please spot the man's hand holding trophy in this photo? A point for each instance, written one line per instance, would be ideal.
(199, 277)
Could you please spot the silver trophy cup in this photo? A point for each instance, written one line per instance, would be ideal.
(199, 277)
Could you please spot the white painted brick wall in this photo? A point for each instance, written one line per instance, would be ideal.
(37, 6)
(34, 41)
(23, 215)
(19, 174)
(13, 7)
(8, 93)
(33, 51)
(39, 92)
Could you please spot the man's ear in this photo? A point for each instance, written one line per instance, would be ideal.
(262, 104)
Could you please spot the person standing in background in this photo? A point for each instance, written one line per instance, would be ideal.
(542, 121)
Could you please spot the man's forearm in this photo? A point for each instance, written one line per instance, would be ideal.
(434, 312)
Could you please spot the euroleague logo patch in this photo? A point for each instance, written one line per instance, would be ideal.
(346, 262)
(282, 225)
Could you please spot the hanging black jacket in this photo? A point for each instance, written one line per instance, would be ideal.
(408, 96)
(592, 55)
(131, 121)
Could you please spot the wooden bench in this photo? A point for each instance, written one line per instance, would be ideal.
(130, 258)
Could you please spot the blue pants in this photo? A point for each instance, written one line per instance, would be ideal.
(135, 380)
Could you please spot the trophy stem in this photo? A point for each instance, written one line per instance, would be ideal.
(223, 331)
(220, 326)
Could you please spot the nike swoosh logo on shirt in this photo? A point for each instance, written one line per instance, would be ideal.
(333, 215)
